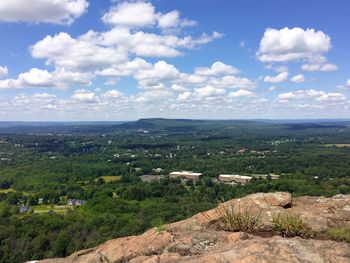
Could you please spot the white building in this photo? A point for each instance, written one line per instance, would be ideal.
(265, 176)
(235, 178)
(185, 175)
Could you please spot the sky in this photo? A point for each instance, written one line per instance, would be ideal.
(103, 60)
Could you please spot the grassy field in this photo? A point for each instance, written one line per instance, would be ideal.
(110, 178)
(59, 209)
(340, 145)
(5, 191)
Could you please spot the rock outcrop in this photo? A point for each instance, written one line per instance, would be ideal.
(198, 239)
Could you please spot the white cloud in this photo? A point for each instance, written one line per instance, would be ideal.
(283, 76)
(209, 91)
(3, 71)
(311, 94)
(178, 88)
(161, 71)
(292, 44)
(42, 78)
(298, 78)
(141, 14)
(233, 82)
(184, 96)
(35, 102)
(78, 54)
(278, 69)
(241, 93)
(153, 95)
(85, 96)
(138, 14)
(127, 69)
(319, 67)
(218, 68)
(296, 44)
(172, 20)
(112, 94)
(348, 83)
(46, 11)
(153, 45)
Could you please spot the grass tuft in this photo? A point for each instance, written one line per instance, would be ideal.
(237, 219)
(339, 233)
(291, 225)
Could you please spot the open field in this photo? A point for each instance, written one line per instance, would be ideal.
(110, 178)
(59, 209)
(5, 191)
(339, 145)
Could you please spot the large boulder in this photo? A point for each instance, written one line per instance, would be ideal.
(198, 239)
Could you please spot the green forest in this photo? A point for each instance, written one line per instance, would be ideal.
(42, 167)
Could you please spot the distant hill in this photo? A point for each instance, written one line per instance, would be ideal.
(163, 125)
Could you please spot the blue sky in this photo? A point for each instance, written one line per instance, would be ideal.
(68, 60)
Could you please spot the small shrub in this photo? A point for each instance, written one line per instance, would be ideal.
(291, 225)
(158, 225)
(237, 219)
(339, 233)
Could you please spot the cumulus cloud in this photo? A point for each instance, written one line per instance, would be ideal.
(45, 11)
(278, 69)
(161, 71)
(83, 53)
(3, 71)
(233, 82)
(138, 14)
(127, 69)
(298, 78)
(112, 94)
(241, 93)
(209, 91)
(296, 44)
(143, 14)
(85, 96)
(283, 76)
(152, 95)
(348, 83)
(319, 67)
(292, 44)
(35, 102)
(42, 78)
(95, 50)
(122, 52)
(311, 94)
(217, 68)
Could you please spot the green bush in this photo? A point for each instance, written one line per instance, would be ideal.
(291, 225)
(237, 219)
(158, 225)
(339, 233)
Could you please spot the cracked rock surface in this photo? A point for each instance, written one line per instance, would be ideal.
(198, 240)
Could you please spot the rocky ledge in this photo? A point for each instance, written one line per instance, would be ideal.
(199, 239)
